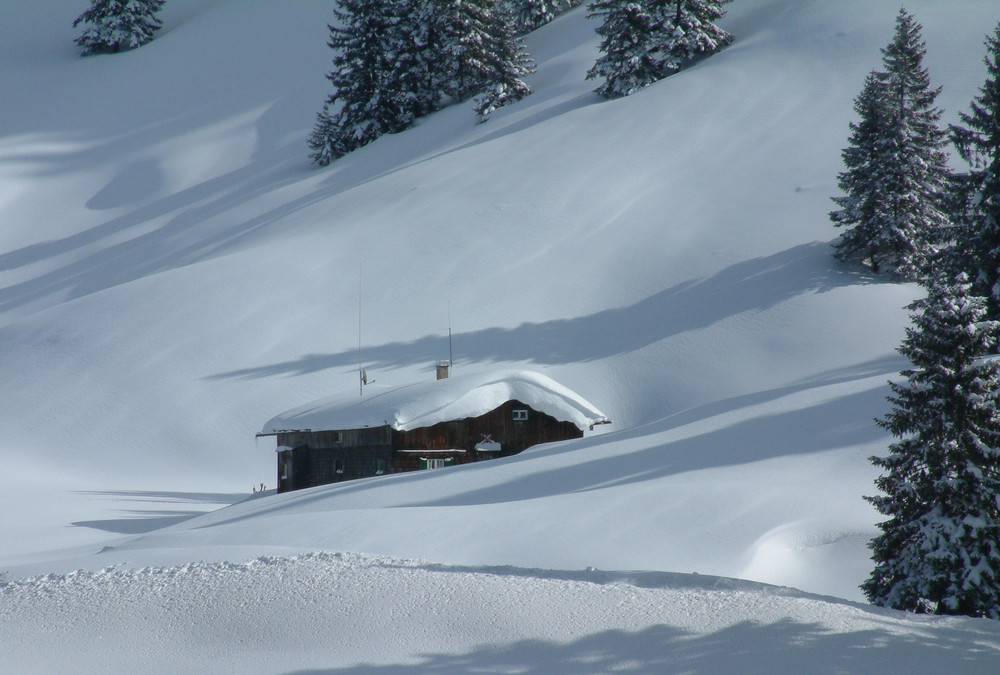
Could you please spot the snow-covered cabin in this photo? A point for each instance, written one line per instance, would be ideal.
(423, 426)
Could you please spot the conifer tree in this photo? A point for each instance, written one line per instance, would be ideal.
(118, 25)
(863, 210)
(628, 61)
(911, 173)
(939, 550)
(689, 30)
(507, 67)
(978, 143)
(647, 40)
(369, 98)
(477, 53)
(527, 15)
(397, 60)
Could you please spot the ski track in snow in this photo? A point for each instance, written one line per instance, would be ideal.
(329, 612)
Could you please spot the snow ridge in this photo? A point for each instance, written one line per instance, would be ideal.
(347, 611)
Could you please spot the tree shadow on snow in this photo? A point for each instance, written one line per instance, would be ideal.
(141, 521)
(747, 647)
(836, 423)
(829, 423)
(159, 232)
(749, 286)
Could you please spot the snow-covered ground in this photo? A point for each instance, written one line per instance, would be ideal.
(336, 613)
(174, 273)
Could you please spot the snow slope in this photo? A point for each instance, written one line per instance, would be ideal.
(335, 613)
(173, 273)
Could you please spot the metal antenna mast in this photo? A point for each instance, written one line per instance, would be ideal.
(361, 373)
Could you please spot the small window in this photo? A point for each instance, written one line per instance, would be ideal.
(338, 437)
(435, 462)
(379, 467)
(520, 415)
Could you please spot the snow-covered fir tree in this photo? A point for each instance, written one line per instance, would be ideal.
(939, 550)
(118, 25)
(476, 52)
(907, 160)
(397, 60)
(866, 159)
(690, 31)
(647, 40)
(628, 60)
(371, 95)
(978, 143)
(510, 64)
(527, 15)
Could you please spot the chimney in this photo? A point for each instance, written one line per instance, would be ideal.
(442, 371)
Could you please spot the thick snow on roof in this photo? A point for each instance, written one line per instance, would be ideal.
(427, 403)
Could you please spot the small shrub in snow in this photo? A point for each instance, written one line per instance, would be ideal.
(118, 25)
(939, 550)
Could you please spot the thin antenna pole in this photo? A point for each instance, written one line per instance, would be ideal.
(451, 363)
(361, 377)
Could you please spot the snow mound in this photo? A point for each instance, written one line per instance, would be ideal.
(425, 404)
(354, 613)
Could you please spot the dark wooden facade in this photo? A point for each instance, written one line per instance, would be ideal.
(310, 458)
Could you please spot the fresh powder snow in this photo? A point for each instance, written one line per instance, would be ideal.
(174, 272)
(425, 404)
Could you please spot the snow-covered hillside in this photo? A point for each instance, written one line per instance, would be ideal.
(174, 273)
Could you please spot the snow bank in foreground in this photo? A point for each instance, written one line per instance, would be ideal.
(354, 613)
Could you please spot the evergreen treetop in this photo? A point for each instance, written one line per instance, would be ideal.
(906, 164)
(647, 40)
(118, 25)
(978, 143)
(689, 30)
(862, 209)
(397, 60)
(627, 62)
(366, 101)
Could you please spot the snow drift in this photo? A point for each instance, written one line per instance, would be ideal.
(173, 271)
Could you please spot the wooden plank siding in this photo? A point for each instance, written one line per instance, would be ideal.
(322, 457)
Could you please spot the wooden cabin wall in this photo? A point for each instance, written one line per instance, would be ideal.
(513, 436)
(323, 457)
(364, 452)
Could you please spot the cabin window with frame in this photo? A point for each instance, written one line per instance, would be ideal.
(435, 462)
(520, 415)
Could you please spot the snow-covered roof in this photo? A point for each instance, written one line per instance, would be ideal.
(426, 403)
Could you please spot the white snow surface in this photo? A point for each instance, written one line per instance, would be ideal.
(424, 404)
(337, 613)
(173, 271)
